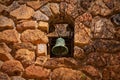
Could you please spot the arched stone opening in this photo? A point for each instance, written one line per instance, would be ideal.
(65, 27)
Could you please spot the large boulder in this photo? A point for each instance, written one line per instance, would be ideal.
(34, 36)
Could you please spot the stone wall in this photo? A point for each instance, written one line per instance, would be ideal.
(25, 23)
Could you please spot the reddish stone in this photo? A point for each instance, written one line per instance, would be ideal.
(6, 23)
(61, 62)
(12, 67)
(99, 8)
(9, 36)
(54, 8)
(102, 28)
(91, 71)
(26, 25)
(17, 78)
(68, 74)
(24, 45)
(5, 52)
(4, 76)
(34, 4)
(2, 8)
(34, 36)
(81, 35)
(78, 53)
(36, 72)
(25, 56)
(23, 12)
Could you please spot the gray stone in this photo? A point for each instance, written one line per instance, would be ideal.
(40, 16)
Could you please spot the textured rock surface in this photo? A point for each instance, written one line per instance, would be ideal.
(98, 7)
(4, 76)
(36, 72)
(40, 16)
(27, 25)
(23, 12)
(23, 45)
(94, 43)
(34, 36)
(6, 23)
(68, 74)
(5, 52)
(12, 67)
(25, 56)
(17, 78)
(44, 26)
(102, 28)
(82, 34)
(9, 36)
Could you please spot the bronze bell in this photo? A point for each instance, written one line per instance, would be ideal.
(60, 49)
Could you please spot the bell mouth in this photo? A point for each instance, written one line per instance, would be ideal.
(60, 50)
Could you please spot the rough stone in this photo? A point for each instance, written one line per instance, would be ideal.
(41, 60)
(12, 67)
(6, 23)
(40, 16)
(91, 71)
(109, 46)
(41, 50)
(13, 6)
(109, 3)
(111, 72)
(23, 12)
(85, 18)
(25, 56)
(4, 76)
(116, 5)
(5, 2)
(2, 8)
(34, 36)
(99, 8)
(17, 78)
(1, 62)
(72, 10)
(53, 63)
(9, 36)
(46, 9)
(54, 8)
(24, 45)
(102, 28)
(44, 26)
(36, 72)
(98, 59)
(85, 4)
(81, 35)
(27, 25)
(5, 52)
(78, 53)
(68, 74)
(34, 4)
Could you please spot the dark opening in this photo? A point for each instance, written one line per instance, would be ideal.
(69, 39)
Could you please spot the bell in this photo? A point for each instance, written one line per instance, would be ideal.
(60, 49)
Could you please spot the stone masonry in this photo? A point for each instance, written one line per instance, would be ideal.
(24, 30)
